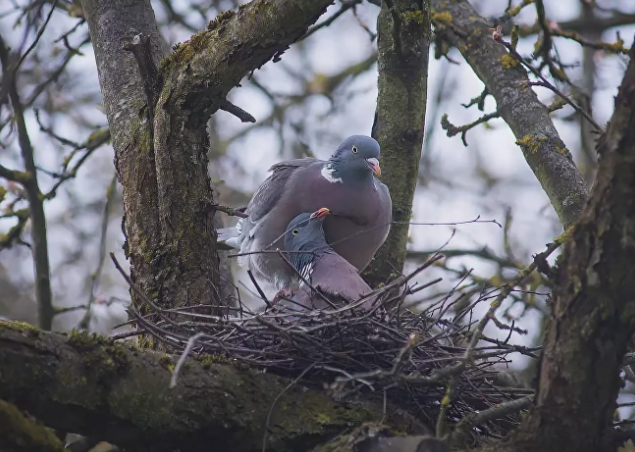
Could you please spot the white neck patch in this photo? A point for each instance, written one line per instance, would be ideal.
(327, 173)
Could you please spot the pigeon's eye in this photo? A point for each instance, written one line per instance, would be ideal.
(294, 232)
(354, 149)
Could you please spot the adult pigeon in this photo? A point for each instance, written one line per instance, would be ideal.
(360, 204)
(320, 266)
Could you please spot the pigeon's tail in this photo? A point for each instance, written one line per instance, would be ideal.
(228, 238)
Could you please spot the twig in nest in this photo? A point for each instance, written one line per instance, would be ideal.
(260, 292)
(177, 369)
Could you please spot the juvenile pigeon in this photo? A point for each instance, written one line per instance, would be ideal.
(320, 266)
(360, 205)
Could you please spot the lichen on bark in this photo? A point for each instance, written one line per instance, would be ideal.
(403, 46)
(517, 104)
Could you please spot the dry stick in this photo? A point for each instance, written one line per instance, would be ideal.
(477, 418)
(96, 276)
(44, 297)
(260, 292)
(190, 345)
(37, 38)
(266, 249)
(230, 211)
(298, 378)
(480, 327)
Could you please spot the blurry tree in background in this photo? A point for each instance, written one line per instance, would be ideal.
(518, 93)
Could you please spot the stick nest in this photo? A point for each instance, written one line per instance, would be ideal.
(421, 362)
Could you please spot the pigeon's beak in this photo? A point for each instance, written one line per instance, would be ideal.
(374, 166)
(321, 213)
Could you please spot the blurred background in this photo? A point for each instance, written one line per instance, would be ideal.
(323, 90)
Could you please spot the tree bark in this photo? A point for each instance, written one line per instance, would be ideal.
(171, 235)
(111, 23)
(593, 315)
(506, 80)
(89, 385)
(403, 43)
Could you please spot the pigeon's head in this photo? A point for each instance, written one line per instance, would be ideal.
(357, 157)
(305, 231)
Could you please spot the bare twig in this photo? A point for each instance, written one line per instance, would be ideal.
(190, 345)
(46, 312)
(96, 275)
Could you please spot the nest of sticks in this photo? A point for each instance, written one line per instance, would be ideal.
(432, 366)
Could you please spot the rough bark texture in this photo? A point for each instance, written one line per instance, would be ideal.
(594, 305)
(167, 195)
(403, 44)
(506, 80)
(111, 23)
(196, 80)
(88, 385)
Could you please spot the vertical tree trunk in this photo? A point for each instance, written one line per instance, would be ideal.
(593, 314)
(111, 23)
(403, 43)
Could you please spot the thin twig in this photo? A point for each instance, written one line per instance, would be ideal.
(177, 369)
(275, 401)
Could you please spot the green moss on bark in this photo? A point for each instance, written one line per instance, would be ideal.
(21, 434)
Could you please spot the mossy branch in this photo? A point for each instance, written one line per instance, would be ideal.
(92, 386)
(403, 47)
(18, 433)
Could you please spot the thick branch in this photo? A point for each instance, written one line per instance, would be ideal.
(593, 318)
(196, 80)
(518, 105)
(87, 384)
(403, 43)
(112, 23)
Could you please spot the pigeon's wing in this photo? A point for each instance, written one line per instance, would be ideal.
(268, 194)
(334, 276)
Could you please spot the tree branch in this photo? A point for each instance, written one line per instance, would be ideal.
(197, 78)
(403, 47)
(111, 24)
(518, 105)
(89, 385)
(592, 315)
(39, 246)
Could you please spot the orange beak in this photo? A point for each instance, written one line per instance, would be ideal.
(373, 163)
(321, 213)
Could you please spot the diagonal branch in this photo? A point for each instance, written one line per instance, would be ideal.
(518, 105)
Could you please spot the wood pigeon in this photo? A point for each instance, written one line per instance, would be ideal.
(320, 266)
(360, 206)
